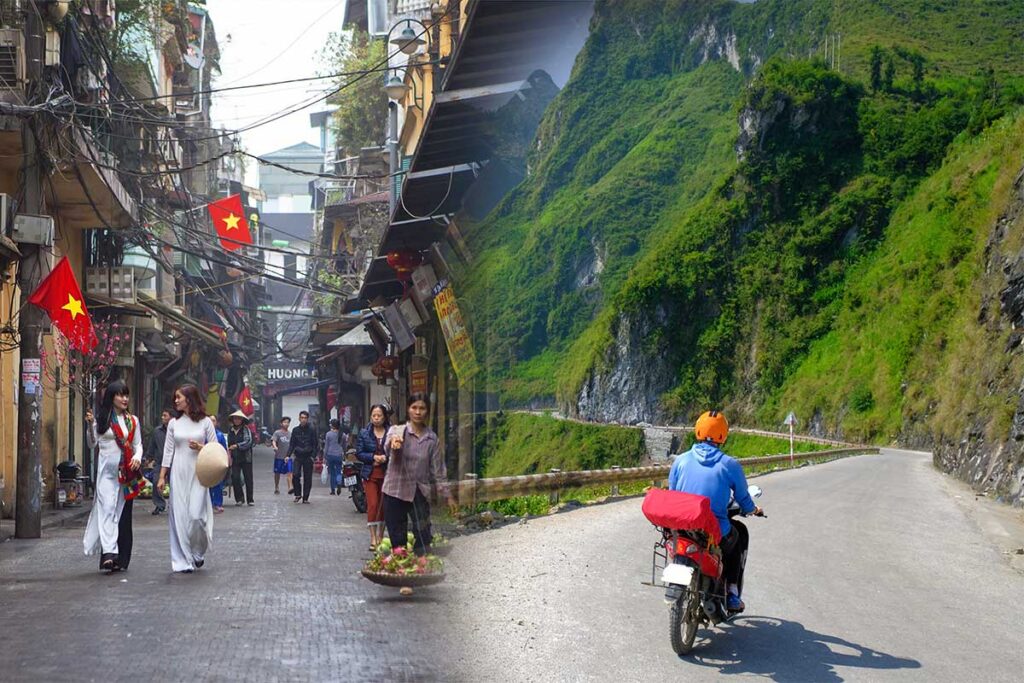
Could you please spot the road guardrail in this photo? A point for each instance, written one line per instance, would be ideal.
(473, 490)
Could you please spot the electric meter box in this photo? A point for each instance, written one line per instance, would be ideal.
(30, 229)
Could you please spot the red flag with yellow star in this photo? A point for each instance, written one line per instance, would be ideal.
(60, 296)
(229, 220)
(245, 401)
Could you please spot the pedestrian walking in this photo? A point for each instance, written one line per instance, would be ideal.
(280, 441)
(191, 511)
(371, 452)
(118, 478)
(415, 465)
(302, 448)
(335, 442)
(155, 454)
(217, 490)
(240, 448)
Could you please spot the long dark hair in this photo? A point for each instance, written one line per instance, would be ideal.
(383, 409)
(105, 410)
(195, 408)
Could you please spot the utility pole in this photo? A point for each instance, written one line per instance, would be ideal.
(28, 504)
(393, 161)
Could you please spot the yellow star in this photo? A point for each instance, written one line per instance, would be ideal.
(245, 401)
(231, 222)
(73, 306)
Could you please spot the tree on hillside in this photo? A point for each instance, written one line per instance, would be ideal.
(876, 68)
(890, 73)
(362, 105)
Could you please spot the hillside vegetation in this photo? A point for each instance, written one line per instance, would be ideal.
(717, 212)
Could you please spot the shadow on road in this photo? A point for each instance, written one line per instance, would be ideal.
(786, 651)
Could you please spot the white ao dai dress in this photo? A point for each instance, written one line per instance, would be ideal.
(101, 530)
(191, 512)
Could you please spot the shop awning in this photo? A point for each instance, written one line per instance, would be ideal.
(194, 327)
(305, 387)
(355, 337)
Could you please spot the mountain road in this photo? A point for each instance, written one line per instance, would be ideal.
(867, 568)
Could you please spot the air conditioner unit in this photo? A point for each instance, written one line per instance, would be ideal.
(32, 229)
(122, 284)
(12, 64)
(97, 282)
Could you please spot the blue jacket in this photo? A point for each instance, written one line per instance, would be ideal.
(366, 446)
(707, 471)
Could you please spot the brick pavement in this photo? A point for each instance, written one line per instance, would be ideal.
(280, 599)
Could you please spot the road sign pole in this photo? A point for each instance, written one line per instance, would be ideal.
(790, 443)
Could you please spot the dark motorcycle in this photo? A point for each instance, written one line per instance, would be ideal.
(691, 564)
(353, 481)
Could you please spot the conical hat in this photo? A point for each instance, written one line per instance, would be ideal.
(211, 464)
(239, 413)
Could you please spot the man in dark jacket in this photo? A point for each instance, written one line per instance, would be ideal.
(240, 449)
(155, 452)
(303, 448)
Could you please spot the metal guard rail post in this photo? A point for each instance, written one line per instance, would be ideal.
(472, 491)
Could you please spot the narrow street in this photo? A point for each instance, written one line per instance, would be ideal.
(866, 569)
(280, 599)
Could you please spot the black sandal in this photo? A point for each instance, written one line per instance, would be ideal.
(107, 563)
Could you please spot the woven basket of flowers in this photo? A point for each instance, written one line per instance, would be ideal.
(401, 567)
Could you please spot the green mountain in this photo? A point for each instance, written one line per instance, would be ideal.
(784, 205)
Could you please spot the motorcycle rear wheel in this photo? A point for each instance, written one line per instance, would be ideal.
(683, 620)
(359, 500)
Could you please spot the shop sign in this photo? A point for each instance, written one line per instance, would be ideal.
(400, 331)
(418, 382)
(423, 281)
(278, 374)
(456, 335)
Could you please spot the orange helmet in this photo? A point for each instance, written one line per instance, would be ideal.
(712, 426)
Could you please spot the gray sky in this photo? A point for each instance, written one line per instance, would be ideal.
(270, 40)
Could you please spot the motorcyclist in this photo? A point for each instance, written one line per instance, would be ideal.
(706, 471)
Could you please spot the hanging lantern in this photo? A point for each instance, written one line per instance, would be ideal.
(389, 364)
(403, 262)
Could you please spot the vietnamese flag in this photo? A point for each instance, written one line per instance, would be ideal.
(229, 220)
(245, 401)
(60, 296)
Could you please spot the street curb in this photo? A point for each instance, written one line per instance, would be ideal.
(56, 520)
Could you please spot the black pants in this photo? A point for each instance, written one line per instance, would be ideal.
(734, 553)
(124, 535)
(159, 503)
(302, 476)
(238, 469)
(396, 518)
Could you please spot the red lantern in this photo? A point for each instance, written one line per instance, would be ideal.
(389, 364)
(403, 262)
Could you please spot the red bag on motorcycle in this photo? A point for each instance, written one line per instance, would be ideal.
(678, 510)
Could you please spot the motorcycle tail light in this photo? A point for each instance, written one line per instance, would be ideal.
(685, 546)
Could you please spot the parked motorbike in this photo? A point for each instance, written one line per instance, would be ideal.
(353, 481)
(692, 567)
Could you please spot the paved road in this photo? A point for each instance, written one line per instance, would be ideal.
(904, 586)
(279, 599)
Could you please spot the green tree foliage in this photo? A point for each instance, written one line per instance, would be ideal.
(744, 265)
(876, 68)
(361, 116)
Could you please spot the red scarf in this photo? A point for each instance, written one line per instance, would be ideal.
(131, 480)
